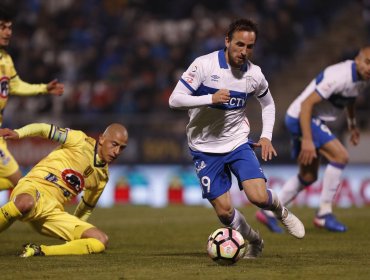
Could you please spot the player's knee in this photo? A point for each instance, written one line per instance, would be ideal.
(24, 202)
(342, 158)
(103, 238)
(259, 199)
(307, 179)
(96, 234)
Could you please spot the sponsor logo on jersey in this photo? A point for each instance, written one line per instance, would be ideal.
(215, 78)
(88, 171)
(199, 166)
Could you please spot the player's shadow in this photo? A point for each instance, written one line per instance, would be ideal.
(181, 254)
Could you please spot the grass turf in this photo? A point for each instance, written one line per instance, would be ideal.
(169, 243)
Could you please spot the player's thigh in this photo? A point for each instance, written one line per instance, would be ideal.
(8, 165)
(334, 151)
(62, 225)
(244, 164)
(214, 175)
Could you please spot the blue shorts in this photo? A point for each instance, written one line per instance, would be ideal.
(214, 170)
(321, 134)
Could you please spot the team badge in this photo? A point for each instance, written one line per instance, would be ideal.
(4, 87)
(73, 179)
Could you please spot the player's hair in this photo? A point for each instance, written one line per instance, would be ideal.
(8, 11)
(242, 25)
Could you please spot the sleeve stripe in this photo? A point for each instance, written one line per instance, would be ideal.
(187, 85)
(263, 94)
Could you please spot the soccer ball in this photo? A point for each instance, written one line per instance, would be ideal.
(225, 246)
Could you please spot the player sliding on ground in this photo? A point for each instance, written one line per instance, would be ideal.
(79, 164)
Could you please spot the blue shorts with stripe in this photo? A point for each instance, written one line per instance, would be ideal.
(214, 170)
(321, 134)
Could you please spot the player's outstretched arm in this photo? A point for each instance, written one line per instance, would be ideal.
(55, 88)
(8, 133)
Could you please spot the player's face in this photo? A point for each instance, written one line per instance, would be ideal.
(363, 63)
(6, 30)
(239, 47)
(111, 146)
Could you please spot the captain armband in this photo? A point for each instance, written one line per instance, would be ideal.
(58, 134)
(83, 210)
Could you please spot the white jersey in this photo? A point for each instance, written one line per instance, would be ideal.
(224, 127)
(338, 85)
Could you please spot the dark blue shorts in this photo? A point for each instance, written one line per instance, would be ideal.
(321, 134)
(214, 170)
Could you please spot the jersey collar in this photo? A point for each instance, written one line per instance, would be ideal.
(223, 63)
(97, 161)
(355, 76)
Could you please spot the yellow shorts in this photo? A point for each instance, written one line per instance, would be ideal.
(48, 216)
(8, 165)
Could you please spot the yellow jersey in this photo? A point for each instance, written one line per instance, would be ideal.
(11, 84)
(71, 168)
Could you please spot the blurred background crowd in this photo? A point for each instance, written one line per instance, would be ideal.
(120, 60)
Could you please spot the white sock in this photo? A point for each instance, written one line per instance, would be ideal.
(276, 207)
(290, 190)
(331, 183)
(240, 224)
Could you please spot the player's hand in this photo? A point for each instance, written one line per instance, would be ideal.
(221, 96)
(267, 150)
(355, 136)
(307, 153)
(54, 87)
(8, 133)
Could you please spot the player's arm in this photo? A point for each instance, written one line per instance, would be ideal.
(88, 202)
(308, 150)
(19, 87)
(184, 97)
(268, 121)
(47, 131)
(352, 126)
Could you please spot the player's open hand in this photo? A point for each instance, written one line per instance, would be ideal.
(267, 150)
(307, 153)
(221, 96)
(8, 133)
(54, 87)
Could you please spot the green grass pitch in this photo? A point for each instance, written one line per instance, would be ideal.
(169, 243)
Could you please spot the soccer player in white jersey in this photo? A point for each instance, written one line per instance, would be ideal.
(215, 89)
(332, 91)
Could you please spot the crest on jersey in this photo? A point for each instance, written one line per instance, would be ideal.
(4, 87)
(73, 179)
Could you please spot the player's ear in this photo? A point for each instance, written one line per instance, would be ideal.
(227, 41)
(101, 139)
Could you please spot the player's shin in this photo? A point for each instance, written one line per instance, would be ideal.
(75, 247)
(8, 214)
(273, 204)
(331, 183)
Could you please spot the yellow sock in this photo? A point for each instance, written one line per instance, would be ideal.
(8, 214)
(5, 184)
(75, 247)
